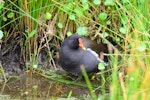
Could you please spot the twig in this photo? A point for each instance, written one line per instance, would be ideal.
(3, 73)
(122, 85)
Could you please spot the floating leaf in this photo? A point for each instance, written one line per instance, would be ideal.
(10, 15)
(48, 16)
(117, 39)
(97, 2)
(141, 47)
(108, 22)
(68, 7)
(35, 66)
(102, 16)
(72, 17)
(84, 1)
(86, 21)
(105, 34)
(32, 33)
(79, 12)
(109, 3)
(85, 6)
(69, 34)
(82, 31)
(4, 19)
(60, 25)
(123, 30)
(1, 34)
(101, 66)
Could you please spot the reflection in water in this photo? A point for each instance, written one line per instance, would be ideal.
(26, 87)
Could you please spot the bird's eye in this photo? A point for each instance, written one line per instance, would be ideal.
(75, 41)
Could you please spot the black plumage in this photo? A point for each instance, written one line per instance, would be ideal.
(73, 55)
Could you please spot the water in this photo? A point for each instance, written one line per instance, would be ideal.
(26, 87)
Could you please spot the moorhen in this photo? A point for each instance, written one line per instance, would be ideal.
(75, 52)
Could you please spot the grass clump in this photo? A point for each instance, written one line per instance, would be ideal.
(42, 25)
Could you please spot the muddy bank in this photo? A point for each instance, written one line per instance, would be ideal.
(20, 85)
(26, 87)
(11, 60)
